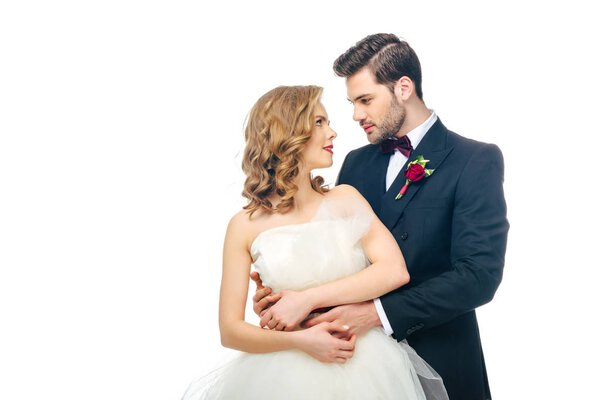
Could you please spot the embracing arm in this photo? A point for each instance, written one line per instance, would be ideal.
(386, 273)
(478, 244)
(236, 333)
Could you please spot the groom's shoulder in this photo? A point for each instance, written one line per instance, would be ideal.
(468, 145)
(457, 139)
(362, 152)
(367, 148)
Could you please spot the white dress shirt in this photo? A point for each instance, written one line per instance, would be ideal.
(397, 160)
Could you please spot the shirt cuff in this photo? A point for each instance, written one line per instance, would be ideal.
(382, 317)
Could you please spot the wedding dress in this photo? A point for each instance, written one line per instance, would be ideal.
(305, 255)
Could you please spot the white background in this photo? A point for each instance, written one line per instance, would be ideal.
(121, 132)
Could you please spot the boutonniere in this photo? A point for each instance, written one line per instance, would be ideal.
(415, 171)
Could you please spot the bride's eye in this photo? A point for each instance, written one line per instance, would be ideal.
(319, 122)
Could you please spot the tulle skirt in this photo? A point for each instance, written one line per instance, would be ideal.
(381, 368)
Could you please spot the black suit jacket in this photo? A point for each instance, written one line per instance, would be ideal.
(452, 229)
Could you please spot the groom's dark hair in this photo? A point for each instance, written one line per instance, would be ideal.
(388, 58)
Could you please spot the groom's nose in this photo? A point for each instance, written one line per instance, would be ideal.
(359, 114)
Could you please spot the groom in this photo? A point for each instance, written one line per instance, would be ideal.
(450, 219)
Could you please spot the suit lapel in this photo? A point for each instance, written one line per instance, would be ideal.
(433, 148)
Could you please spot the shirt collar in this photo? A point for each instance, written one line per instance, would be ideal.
(417, 134)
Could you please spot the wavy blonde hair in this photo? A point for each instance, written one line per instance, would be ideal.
(277, 129)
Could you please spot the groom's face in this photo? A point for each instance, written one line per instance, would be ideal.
(376, 108)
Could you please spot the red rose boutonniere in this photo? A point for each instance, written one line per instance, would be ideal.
(415, 171)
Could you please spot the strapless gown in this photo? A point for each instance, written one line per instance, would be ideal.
(305, 255)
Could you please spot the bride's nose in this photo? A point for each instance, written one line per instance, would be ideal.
(332, 134)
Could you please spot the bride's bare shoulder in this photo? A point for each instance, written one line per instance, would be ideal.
(244, 227)
(243, 220)
(347, 191)
(344, 190)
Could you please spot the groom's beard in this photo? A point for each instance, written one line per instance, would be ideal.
(393, 120)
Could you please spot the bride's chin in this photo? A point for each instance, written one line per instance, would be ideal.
(321, 164)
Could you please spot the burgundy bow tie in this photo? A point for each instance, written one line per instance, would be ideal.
(402, 144)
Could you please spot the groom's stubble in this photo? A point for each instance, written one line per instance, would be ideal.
(392, 121)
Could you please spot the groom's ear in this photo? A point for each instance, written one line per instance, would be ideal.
(404, 88)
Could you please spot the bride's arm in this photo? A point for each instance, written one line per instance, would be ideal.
(386, 273)
(236, 333)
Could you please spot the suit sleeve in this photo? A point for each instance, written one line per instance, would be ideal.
(478, 245)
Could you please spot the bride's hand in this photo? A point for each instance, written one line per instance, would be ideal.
(319, 342)
(291, 309)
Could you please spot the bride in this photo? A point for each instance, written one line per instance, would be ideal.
(311, 245)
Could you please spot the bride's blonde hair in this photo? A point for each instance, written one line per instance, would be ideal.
(277, 129)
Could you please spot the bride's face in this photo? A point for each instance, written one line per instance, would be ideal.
(318, 152)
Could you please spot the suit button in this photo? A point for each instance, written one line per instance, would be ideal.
(404, 236)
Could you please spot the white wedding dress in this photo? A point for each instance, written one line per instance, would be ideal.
(305, 255)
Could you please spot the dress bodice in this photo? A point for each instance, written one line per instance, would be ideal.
(328, 247)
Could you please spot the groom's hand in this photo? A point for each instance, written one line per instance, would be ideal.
(262, 299)
(360, 317)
